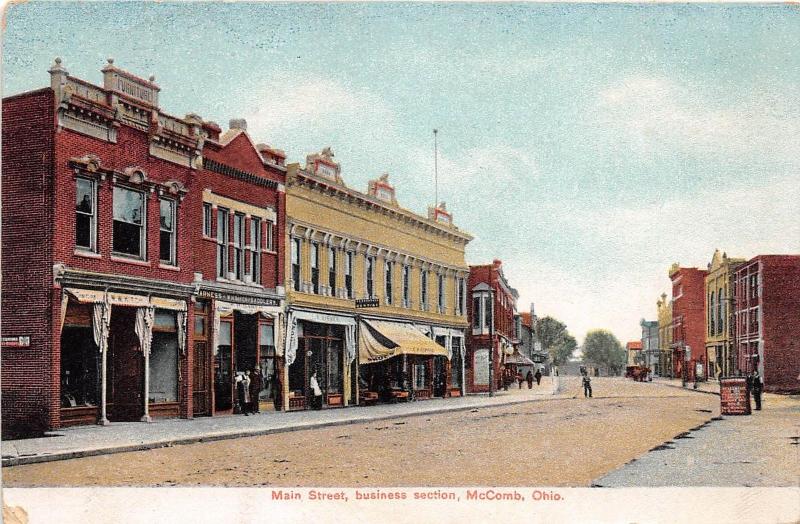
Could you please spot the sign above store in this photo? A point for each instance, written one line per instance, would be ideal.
(239, 299)
(17, 342)
(367, 302)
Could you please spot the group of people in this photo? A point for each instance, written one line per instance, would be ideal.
(248, 388)
(529, 378)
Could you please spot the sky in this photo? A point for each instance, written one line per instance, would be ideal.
(586, 146)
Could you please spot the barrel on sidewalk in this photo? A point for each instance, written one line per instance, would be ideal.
(734, 396)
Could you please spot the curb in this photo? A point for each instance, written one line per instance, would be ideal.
(213, 437)
(691, 390)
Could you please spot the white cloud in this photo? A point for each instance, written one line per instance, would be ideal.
(656, 114)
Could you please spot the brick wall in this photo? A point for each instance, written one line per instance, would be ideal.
(30, 376)
(689, 305)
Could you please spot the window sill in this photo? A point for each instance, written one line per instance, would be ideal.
(86, 254)
(168, 267)
(268, 252)
(132, 261)
(210, 239)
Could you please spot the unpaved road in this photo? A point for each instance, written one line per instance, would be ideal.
(563, 442)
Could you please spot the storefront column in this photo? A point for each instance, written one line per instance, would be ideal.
(144, 328)
(101, 320)
(103, 379)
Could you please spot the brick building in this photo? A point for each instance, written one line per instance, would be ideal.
(767, 319)
(491, 312)
(633, 353)
(104, 197)
(237, 207)
(688, 322)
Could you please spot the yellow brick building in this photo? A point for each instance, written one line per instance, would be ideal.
(347, 247)
(664, 308)
(720, 352)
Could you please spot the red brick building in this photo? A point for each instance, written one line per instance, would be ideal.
(490, 311)
(688, 322)
(237, 202)
(103, 193)
(767, 320)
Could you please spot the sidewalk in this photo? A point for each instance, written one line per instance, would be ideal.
(119, 437)
(730, 451)
(708, 386)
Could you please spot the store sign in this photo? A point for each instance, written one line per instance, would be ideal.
(734, 397)
(481, 375)
(239, 299)
(367, 302)
(17, 342)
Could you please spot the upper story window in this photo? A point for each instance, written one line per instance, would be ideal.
(482, 309)
(711, 324)
(332, 268)
(370, 276)
(423, 289)
(315, 267)
(348, 274)
(166, 239)
(721, 306)
(269, 242)
(86, 214)
(296, 264)
(129, 223)
(238, 246)
(207, 220)
(255, 250)
(406, 286)
(461, 298)
(754, 285)
(388, 275)
(441, 294)
(222, 242)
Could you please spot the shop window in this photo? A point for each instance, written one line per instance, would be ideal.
(455, 363)
(255, 252)
(334, 378)
(164, 358)
(207, 220)
(296, 264)
(167, 231)
(238, 246)
(332, 269)
(80, 365)
(420, 380)
(223, 372)
(222, 243)
(201, 319)
(129, 222)
(388, 276)
(315, 267)
(85, 214)
(348, 274)
(266, 342)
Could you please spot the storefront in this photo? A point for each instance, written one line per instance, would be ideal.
(243, 339)
(398, 362)
(121, 356)
(322, 344)
(452, 379)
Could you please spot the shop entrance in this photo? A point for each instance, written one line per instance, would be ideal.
(80, 367)
(320, 350)
(126, 368)
(439, 376)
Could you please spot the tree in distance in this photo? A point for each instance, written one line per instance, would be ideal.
(556, 340)
(602, 348)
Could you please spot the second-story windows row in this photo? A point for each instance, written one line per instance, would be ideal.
(241, 241)
(129, 222)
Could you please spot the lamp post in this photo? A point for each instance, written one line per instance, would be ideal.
(491, 343)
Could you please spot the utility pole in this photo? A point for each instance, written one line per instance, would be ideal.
(435, 169)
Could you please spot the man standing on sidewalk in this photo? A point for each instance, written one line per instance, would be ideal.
(758, 386)
(587, 386)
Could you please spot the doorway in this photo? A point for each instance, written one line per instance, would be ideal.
(126, 381)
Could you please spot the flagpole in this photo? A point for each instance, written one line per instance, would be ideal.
(435, 169)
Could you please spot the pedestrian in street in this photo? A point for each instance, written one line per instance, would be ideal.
(317, 391)
(520, 379)
(538, 377)
(529, 379)
(587, 386)
(758, 387)
(256, 385)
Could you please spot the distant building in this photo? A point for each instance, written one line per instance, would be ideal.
(633, 351)
(719, 327)
(688, 322)
(650, 350)
(767, 314)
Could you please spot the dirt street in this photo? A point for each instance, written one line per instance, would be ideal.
(560, 442)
